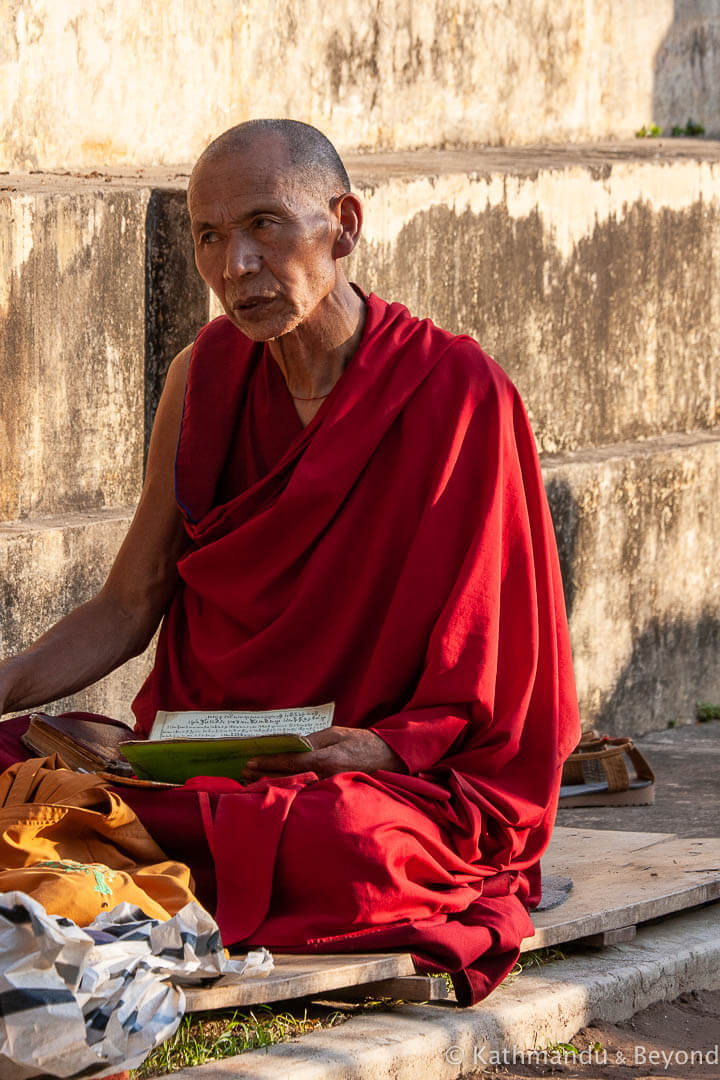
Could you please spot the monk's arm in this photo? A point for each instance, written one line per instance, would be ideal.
(120, 620)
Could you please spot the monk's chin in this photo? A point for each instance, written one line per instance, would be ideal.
(263, 328)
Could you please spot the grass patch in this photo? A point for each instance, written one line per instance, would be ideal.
(705, 711)
(204, 1037)
(534, 958)
(539, 957)
(690, 129)
(649, 131)
(212, 1036)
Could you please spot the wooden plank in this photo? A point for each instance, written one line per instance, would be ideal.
(623, 878)
(620, 879)
(300, 976)
(610, 937)
(410, 988)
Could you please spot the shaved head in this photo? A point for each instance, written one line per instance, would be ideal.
(313, 162)
(272, 215)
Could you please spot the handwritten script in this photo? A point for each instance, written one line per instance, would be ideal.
(241, 725)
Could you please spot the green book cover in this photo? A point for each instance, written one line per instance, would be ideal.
(176, 760)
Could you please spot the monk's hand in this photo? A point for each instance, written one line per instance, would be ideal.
(334, 750)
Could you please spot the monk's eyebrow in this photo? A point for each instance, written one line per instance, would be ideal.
(267, 208)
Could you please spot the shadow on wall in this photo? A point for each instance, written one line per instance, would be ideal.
(673, 663)
(566, 518)
(176, 298)
(687, 68)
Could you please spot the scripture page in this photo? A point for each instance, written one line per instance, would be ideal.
(241, 725)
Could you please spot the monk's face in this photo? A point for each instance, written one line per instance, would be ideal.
(262, 243)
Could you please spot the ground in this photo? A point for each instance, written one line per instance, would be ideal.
(635, 1048)
(685, 761)
(688, 785)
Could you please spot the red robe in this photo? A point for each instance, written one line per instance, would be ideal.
(397, 557)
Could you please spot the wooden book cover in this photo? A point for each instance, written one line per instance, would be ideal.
(84, 745)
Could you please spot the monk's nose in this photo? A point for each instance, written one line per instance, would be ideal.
(241, 257)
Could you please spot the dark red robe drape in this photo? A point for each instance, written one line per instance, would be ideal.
(397, 557)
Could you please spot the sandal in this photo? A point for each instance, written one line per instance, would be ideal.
(596, 774)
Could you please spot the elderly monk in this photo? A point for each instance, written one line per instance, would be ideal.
(343, 503)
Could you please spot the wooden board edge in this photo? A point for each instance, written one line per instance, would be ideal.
(278, 987)
(635, 913)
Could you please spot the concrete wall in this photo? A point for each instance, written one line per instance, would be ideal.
(88, 83)
(47, 567)
(637, 527)
(71, 313)
(591, 276)
(98, 291)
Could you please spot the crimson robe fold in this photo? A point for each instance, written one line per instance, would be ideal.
(397, 557)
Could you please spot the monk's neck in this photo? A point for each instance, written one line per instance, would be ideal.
(313, 357)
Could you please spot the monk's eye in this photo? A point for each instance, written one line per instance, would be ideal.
(208, 237)
(263, 222)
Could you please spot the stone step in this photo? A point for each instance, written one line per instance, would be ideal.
(636, 523)
(637, 527)
(591, 274)
(398, 75)
(97, 293)
(49, 566)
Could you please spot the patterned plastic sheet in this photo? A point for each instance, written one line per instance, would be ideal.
(98, 999)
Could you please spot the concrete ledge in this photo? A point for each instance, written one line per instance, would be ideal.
(48, 567)
(592, 276)
(637, 528)
(537, 1009)
(84, 84)
(72, 301)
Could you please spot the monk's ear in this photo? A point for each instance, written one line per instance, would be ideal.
(348, 213)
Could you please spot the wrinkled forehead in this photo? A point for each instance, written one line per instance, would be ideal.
(258, 173)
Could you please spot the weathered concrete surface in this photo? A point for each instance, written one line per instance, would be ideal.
(539, 1009)
(90, 83)
(590, 274)
(637, 530)
(687, 64)
(98, 291)
(593, 278)
(47, 567)
(72, 303)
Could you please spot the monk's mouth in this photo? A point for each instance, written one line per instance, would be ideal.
(253, 303)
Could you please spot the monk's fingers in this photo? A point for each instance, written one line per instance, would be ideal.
(330, 760)
(276, 765)
(323, 762)
(328, 736)
(335, 750)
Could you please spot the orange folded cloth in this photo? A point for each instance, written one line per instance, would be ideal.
(78, 849)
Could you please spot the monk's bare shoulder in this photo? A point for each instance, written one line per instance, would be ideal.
(168, 418)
